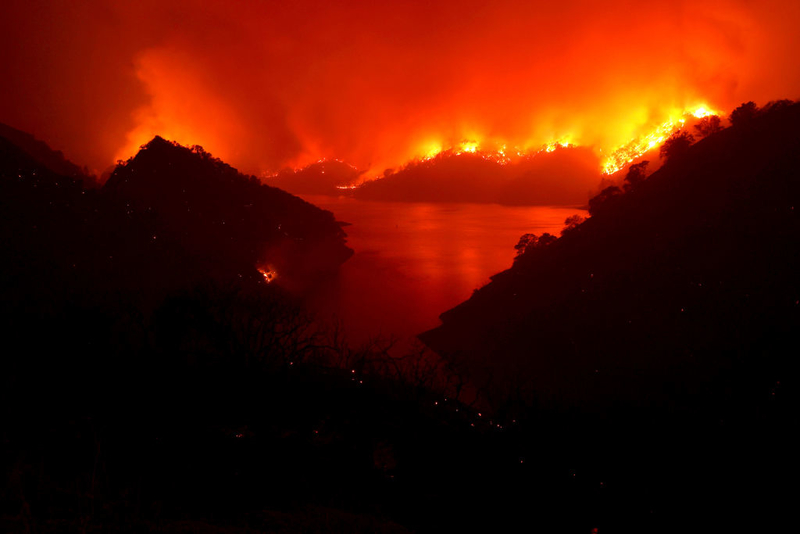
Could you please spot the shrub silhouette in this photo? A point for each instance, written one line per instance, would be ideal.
(677, 145)
(708, 125)
(744, 114)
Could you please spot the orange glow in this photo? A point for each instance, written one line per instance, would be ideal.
(651, 140)
(465, 147)
(702, 111)
(618, 157)
(266, 85)
(268, 273)
(468, 146)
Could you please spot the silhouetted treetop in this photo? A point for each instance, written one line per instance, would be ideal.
(572, 222)
(677, 145)
(708, 125)
(529, 242)
(637, 173)
(601, 201)
(744, 114)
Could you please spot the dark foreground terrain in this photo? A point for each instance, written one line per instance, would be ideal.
(636, 375)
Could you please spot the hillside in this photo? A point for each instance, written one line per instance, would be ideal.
(686, 284)
(321, 178)
(565, 176)
(152, 381)
(52, 160)
(658, 340)
(227, 220)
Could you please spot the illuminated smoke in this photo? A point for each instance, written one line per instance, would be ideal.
(265, 86)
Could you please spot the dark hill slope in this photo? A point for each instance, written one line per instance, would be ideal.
(446, 178)
(44, 156)
(320, 178)
(42, 215)
(225, 219)
(565, 176)
(686, 286)
(166, 219)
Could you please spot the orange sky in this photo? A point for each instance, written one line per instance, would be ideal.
(264, 85)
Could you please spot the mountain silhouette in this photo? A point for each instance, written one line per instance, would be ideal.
(228, 221)
(320, 178)
(153, 381)
(687, 283)
(41, 153)
(564, 176)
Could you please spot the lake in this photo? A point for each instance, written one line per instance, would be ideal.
(414, 261)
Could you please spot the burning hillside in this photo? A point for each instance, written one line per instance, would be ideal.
(268, 86)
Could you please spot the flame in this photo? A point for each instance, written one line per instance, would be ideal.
(268, 273)
(368, 83)
(434, 150)
(637, 147)
(618, 156)
(468, 146)
(701, 112)
(554, 145)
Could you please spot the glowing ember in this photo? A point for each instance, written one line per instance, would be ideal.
(269, 274)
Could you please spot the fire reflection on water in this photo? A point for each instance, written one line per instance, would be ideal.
(414, 261)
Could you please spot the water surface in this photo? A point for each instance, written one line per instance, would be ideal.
(414, 261)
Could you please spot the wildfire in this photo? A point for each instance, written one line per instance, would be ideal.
(268, 273)
(468, 146)
(619, 157)
(612, 161)
(552, 146)
(498, 153)
(639, 146)
(436, 150)
(701, 112)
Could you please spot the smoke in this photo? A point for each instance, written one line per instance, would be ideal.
(266, 85)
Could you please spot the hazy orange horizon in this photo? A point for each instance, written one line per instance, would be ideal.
(266, 86)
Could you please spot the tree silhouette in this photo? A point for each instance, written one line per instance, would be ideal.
(571, 223)
(529, 242)
(676, 145)
(708, 125)
(744, 114)
(636, 175)
(599, 202)
(776, 105)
